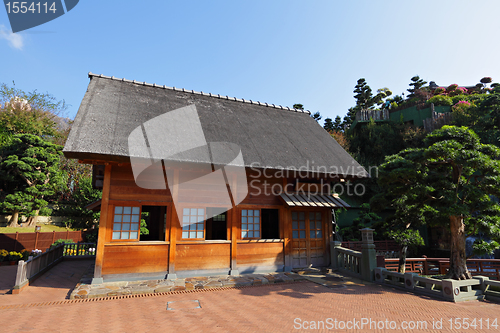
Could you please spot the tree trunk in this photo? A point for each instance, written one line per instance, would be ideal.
(458, 261)
(31, 221)
(402, 259)
(14, 219)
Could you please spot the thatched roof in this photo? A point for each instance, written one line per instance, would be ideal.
(269, 136)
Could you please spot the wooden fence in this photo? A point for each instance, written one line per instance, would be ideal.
(28, 271)
(36, 240)
(439, 266)
(380, 246)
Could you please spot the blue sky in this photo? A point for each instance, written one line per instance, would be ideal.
(281, 52)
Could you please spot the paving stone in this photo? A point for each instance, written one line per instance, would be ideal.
(189, 286)
(142, 290)
(179, 282)
(178, 288)
(213, 284)
(163, 288)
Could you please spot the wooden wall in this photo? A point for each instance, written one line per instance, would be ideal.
(260, 254)
(202, 256)
(119, 257)
(147, 258)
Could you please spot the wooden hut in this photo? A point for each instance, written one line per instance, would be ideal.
(281, 220)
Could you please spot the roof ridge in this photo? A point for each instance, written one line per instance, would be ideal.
(242, 100)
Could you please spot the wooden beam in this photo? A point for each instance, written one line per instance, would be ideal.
(174, 226)
(234, 232)
(103, 223)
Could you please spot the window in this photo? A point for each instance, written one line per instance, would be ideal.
(126, 222)
(315, 228)
(250, 223)
(153, 223)
(193, 223)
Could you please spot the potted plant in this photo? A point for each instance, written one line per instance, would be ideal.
(14, 257)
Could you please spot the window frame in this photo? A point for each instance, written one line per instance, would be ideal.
(124, 205)
(247, 230)
(181, 221)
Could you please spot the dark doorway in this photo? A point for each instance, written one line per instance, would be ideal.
(217, 225)
(153, 223)
(270, 224)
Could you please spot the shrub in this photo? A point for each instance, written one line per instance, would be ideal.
(61, 241)
(452, 87)
(439, 91)
(461, 106)
(25, 253)
(458, 91)
(458, 98)
(441, 100)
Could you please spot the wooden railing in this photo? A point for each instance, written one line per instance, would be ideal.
(348, 261)
(380, 246)
(29, 270)
(439, 266)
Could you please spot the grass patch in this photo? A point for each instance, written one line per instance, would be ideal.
(45, 228)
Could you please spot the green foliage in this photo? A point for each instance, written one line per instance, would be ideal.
(29, 172)
(61, 241)
(416, 84)
(370, 143)
(29, 113)
(365, 219)
(328, 126)
(482, 247)
(80, 194)
(316, 116)
(441, 100)
(363, 95)
(337, 124)
(454, 175)
(144, 223)
(408, 237)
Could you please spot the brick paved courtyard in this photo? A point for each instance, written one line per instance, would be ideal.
(270, 308)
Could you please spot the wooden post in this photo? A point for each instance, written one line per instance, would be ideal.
(174, 223)
(286, 217)
(234, 231)
(53, 237)
(15, 243)
(36, 239)
(67, 233)
(103, 221)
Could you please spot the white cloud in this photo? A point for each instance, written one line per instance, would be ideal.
(15, 40)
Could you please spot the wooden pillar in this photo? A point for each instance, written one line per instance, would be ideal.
(174, 225)
(36, 239)
(234, 232)
(327, 235)
(103, 226)
(286, 217)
